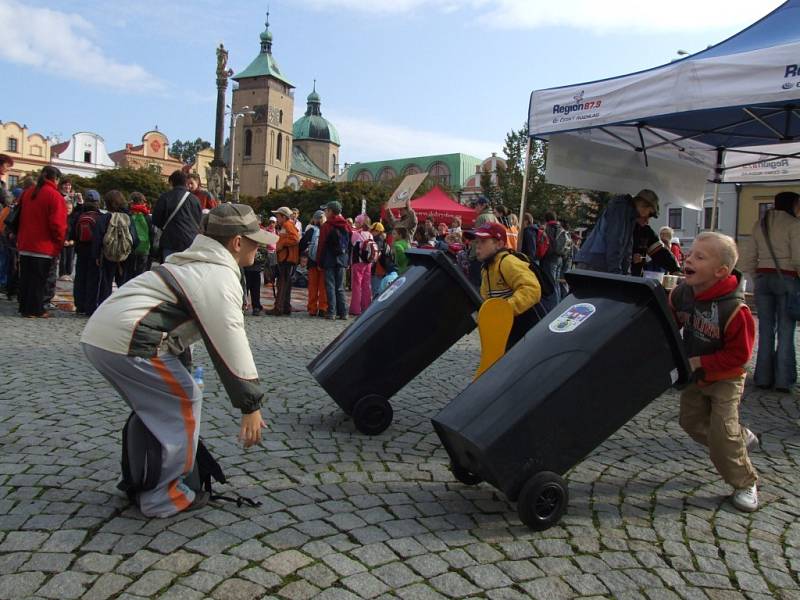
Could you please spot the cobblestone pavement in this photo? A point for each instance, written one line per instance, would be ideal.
(346, 516)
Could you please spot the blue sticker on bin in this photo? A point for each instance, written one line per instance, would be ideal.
(572, 318)
(393, 287)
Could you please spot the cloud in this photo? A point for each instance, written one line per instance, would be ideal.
(366, 140)
(58, 42)
(605, 17)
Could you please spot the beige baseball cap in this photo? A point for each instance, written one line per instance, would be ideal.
(228, 219)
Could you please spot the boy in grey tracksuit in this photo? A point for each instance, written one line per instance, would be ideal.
(135, 337)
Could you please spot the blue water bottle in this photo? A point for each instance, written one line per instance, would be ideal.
(198, 378)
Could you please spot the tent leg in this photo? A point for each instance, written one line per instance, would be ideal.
(524, 194)
(714, 207)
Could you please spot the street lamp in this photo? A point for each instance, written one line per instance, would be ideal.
(245, 110)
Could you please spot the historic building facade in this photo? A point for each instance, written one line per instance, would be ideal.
(84, 154)
(270, 151)
(152, 153)
(30, 151)
(447, 170)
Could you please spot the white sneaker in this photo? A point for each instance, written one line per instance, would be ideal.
(746, 499)
(751, 440)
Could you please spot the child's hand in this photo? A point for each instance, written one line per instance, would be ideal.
(694, 362)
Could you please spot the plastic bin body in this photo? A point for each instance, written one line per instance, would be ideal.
(418, 318)
(568, 385)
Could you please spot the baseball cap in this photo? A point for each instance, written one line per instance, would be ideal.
(482, 200)
(650, 197)
(378, 227)
(285, 211)
(93, 196)
(318, 214)
(227, 220)
(334, 206)
(491, 230)
(273, 220)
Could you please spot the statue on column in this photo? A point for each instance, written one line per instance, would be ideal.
(216, 182)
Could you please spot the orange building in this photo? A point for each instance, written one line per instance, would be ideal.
(152, 153)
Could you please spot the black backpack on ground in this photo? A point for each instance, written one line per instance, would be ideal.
(141, 465)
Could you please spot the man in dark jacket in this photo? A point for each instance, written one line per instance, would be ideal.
(609, 248)
(332, 256)
(179, 226)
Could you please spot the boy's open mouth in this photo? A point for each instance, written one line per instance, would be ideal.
(688, 271)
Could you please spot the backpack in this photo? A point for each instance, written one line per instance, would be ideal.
(558, 240)
(143, 233)
(546, 282)
(339, 243)
(141, 465)
(118, 242)
(542, 243)
(86, 224)
(369, 252)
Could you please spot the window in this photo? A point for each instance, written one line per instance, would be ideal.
(248, 143)
(387, 174)
(279, 150)
(87, 157)
(280, 117)
(13, 180)
(12, 144)
(411, 170)
(333, 164)
(676, 218)
(440, 173)
(276, 182)
(707, 218)
(364, 175)
(36, 150)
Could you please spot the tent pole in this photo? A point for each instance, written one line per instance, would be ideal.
(524, 194)
(717, 177)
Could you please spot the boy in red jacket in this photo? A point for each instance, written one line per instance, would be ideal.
(718, 333)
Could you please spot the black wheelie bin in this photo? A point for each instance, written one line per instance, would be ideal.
(422, 314)
(602, 355)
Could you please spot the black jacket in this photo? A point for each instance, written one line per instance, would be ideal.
(185, 225)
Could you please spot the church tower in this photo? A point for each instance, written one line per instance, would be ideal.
(263, 148)
(317, 137)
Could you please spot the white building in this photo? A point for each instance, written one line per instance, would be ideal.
(688, 222)
(84, 155)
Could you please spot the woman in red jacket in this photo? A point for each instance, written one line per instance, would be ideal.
(42, 230)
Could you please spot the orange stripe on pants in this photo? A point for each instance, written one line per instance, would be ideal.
(189, 424)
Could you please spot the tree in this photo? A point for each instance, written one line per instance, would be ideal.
(126, 180)
(187, 151)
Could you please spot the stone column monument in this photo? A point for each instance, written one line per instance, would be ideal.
(216, 180)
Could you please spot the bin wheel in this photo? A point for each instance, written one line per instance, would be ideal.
(372, 415)
(543, 500)
(464, 476)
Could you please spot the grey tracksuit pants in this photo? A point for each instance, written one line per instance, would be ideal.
(164, 395)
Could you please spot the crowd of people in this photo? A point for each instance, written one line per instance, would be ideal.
(47, 231)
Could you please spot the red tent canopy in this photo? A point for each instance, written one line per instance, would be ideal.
(442, 208)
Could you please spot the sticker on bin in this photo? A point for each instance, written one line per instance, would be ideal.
(396, 285)
(572, 318)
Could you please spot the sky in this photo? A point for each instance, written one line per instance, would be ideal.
(398, 78)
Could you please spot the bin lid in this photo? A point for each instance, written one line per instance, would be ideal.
(587, 283)
(428, 258)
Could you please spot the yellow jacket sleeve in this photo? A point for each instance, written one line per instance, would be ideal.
(526, 290)
(484, 283)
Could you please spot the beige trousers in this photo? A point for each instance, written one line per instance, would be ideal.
(710, 415)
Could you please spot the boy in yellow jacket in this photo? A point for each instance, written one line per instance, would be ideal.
(504, 275)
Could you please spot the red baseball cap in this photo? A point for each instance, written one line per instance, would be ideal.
(492, 230)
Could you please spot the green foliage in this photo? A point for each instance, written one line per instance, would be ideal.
(309, 200)
(187, 151)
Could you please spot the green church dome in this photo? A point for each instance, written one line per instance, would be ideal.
(313, 126)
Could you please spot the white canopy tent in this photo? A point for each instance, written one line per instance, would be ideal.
(730, 113)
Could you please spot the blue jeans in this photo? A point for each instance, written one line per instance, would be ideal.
(776, 365)
(334, 286)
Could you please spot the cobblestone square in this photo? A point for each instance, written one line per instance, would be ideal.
(347, 516)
